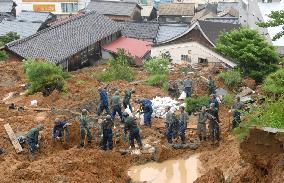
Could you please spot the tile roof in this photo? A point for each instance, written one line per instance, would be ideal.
(231, 20)
(119, 8)
(176, 9)
(64, 40)
(213, 29)
(134, 47)
(33, 16)
(6, 6)
(5, 16)
(142, 30)
(227, 5)
(169, 31)
(23, 29)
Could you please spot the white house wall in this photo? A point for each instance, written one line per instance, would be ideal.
(194, 51)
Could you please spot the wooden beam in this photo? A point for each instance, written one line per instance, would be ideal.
(13, 138)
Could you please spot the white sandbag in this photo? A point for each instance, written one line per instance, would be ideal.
(34, 103)
(128, 111)
(142, 119)
(182, 96)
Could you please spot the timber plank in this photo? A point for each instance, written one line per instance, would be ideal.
(13, 138)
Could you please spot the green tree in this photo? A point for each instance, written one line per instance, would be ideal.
(276, 19)
(274, 83)
(254, 56)
(118, 69)
(157, 65)
(9, 37)
(43, 76)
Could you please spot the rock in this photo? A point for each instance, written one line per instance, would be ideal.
(245, 91)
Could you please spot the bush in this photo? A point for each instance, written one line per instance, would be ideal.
(195, 104)
(44, 76)
(231, 78)
(274, 83)
(157, 65)
(157, 80)
(3, 55)
(118, 69)
(228, 100)
(165, 87)
(270, 114)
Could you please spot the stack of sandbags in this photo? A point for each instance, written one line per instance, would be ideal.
(159, 105)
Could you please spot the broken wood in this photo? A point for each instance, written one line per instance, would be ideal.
(13, 138)
(37, 109)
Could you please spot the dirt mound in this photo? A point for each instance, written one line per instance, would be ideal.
(212, 176)
(263, 150)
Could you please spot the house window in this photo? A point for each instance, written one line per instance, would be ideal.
(185, 58)
(69, 7)
(202, 60)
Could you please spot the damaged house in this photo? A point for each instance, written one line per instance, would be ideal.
(194, 44)
(72, 44)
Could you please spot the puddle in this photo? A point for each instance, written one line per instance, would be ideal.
(171, 171)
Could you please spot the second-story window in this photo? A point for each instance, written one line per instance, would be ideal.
(69, 7)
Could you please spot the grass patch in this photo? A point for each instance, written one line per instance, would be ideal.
(195, 104)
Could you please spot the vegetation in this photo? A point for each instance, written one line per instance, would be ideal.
(157, 80)
(157, 65)
(3, 55)
(231, 78)
(195, 104)
(276, 19)
(273, 85)
(9, 37)
(118, 69)
(270, 114)
(254, 56)
(228, 100)
(44, 76)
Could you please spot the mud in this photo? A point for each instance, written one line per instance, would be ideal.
(171, 171)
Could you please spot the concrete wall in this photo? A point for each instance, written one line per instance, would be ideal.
(194, 50)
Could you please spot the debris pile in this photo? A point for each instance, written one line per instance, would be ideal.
(159, 105)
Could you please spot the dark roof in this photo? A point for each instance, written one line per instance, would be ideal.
(227, 5)
(118, 8)
(5, 16)
(176, 9)
(169, 31)
(213, 29)
(6, 6)
(59, 42)
(142, 30)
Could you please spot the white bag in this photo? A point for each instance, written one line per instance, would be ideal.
(34, 103)
(128, 111)
(182, 96)
(142, 119)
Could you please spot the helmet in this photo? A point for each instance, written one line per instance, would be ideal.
(84, 111)
(108, 117)
(40, 127)
(57, 120)
(116, 92)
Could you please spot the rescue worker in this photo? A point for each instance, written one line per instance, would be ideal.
(127, 97)
(33, 139)
(236, 109)
(214, 100)
(170, 120)
(213, 123)
(84, 128)
(116, 106)
(201, 124)
(187, 84)
(104, 102)
(147, 110)
(182, 124)
(211, 86)
(106, 128)
(58, 130)
(134, 132)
